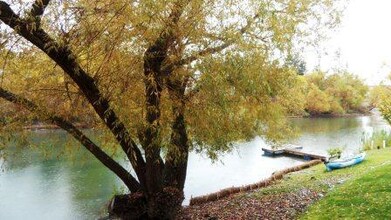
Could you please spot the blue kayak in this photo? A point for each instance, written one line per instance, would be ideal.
(341, 163)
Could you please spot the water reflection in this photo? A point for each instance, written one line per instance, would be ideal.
(324, 125)
(318, 135)
(59, 188)
(54, 187)
(241, 167)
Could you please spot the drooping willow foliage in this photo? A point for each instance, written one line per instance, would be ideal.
(171, 75)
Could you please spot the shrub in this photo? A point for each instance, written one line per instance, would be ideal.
(377, 139)
(335, 152)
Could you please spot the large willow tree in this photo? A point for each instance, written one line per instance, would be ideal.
(164, 77)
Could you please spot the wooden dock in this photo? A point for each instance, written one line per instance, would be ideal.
(293, 152)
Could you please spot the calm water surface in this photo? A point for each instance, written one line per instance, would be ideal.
(79, 188)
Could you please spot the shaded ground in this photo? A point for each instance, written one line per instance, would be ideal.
(278, 206)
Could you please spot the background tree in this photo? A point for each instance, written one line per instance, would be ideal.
(318, 102)
(297, 63)
(349, 90)
(335, 94)
(385, 107)
(380, 97)
(377, 94)
(163, 77)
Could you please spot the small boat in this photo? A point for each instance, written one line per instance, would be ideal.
(341, 163)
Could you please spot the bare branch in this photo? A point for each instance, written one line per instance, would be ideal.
(105, 159)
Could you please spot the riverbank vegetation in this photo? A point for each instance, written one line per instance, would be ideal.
(381, 98)
(314, 94)
(376, 140)
(333, 94)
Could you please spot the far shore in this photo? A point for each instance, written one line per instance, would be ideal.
(346, 115)
(52, 126)
(85, 126)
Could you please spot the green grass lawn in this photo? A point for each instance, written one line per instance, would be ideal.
(362, 191)
(317, 178)
(366, 194)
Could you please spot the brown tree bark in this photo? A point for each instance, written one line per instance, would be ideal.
(153, 59)
(178, 153)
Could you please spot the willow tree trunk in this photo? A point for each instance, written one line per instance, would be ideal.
(178, 153)
(163, 189)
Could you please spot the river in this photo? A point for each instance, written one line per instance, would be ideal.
(52, 187)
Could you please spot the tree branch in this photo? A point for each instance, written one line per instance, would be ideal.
(208, 51)
(39, 7)
(63, 56)
(178, 153)
(172, 66)
(105, 159)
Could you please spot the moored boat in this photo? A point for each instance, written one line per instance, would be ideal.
(341, 163)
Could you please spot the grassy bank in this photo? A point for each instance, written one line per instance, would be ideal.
(366, 197)
(317, 178)
(337, 192)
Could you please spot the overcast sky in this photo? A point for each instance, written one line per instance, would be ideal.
(363, 42)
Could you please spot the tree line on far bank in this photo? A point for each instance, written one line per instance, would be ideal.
(316, 94)
(339, 94)
(333, 94)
